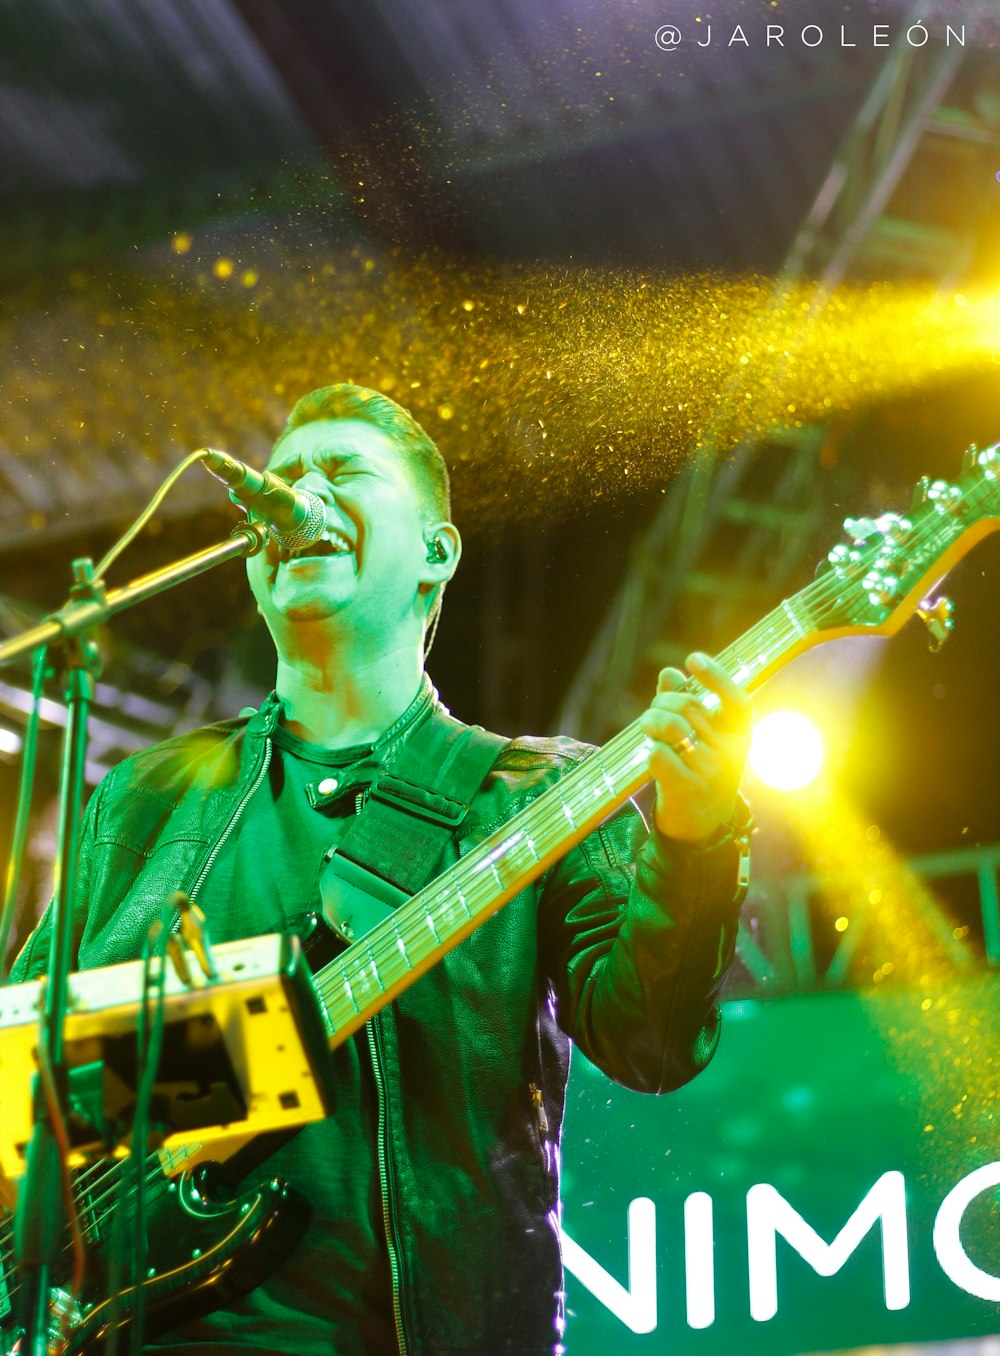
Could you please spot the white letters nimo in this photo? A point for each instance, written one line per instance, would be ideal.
(952, 1257)
(636, 1306)
(768, 1215)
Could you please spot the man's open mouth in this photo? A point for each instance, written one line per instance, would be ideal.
(331, 543)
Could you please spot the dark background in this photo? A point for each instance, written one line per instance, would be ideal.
(205, 210)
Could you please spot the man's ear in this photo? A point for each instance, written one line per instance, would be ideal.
(444, 551)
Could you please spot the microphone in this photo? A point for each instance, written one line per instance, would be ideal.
(296, 518)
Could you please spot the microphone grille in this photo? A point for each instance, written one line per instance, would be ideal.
(309, 531)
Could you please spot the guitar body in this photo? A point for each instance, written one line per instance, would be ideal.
(206, 1247)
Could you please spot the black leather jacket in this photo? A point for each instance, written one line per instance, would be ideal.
(621, 948)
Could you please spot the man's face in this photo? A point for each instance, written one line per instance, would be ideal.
(372, 568)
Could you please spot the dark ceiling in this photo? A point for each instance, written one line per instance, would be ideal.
(207, 207)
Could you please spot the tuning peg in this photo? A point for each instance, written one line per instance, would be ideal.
(880, 586)
(893, 527)
(860, 529)
(945, 498)
(988, 460)
(844, 559)
(938, 616)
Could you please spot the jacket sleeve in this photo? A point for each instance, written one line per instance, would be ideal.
(636, 934)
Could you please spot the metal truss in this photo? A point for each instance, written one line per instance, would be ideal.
(736, 527)
(150, 700)
(786, 952)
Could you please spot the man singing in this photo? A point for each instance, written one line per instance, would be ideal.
(434, 1186)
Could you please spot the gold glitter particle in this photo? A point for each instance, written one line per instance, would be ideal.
(529, 385)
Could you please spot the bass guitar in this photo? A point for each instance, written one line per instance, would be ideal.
(207, 1245)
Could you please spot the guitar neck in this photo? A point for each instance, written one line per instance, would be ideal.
(414, 938)
(397, 951)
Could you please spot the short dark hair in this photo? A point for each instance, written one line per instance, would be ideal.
(420, 454)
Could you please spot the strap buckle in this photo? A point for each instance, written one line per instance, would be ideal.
(414, 799)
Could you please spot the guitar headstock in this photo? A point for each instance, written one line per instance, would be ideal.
(886, 570)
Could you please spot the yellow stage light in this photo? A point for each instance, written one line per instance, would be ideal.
(787, 751)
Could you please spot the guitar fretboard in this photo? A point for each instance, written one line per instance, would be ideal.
(379, 966)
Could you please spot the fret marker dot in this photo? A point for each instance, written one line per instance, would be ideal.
(327, 786)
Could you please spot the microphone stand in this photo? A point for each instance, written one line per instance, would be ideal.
(41, 1217)
(77, 617)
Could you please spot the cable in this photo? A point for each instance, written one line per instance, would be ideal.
(132, 1188)
(150, 1041)
(62, 1140)
(132, 532)
(24, 792)
(13, 878)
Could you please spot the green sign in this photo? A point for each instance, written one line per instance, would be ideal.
(829, 1182)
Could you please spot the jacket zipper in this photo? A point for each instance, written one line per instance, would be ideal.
(538, 1102)
(547, 1148)
(234, 819)
(383, 1177)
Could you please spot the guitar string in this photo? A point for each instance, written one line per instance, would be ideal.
(818, 597)
(117, 1166)
(7, 1233)
(614, 759)
(93, 1227)
(156, 1192)
(822, 592)
(775, 627)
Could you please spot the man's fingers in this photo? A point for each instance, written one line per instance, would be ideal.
(713, 676)
(698, 747)
(735, 708)
(670, 680)
(698, 765)
(667, 721)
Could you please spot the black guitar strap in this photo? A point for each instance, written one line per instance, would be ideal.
(391, 849)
